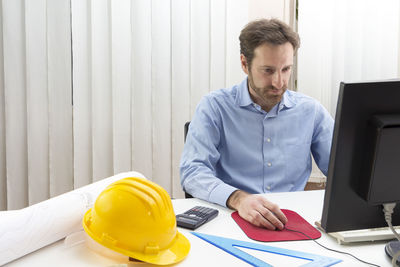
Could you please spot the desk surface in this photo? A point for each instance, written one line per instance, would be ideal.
(308, 204)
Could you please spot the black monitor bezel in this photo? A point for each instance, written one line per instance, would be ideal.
(344, 208)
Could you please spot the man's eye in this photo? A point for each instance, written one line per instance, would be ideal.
(286, 69)
(269, 71)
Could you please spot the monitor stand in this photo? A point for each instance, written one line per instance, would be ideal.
(373, 234)
(392, 248)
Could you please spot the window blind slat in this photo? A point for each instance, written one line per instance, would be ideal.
(3, 173)
(37, 101)
(15, 104)
(199, 51)
(102, 120)
(180, 84)
(82, 101)
(121, 84)
(60, 97)
(142, 128)
(161, 92)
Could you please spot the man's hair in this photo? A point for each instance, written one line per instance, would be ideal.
(271, 31)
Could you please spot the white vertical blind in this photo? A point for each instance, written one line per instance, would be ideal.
(180, 84)
(37, 121)
(96, 87)
(121, 83)
(3, 173)
(59, 97)
(161, 92)
(218, 44)
(142, 126)
(236, 18)
(15, 103)
(82, 92)
(102, 109)
(199, 49)
(37, 101)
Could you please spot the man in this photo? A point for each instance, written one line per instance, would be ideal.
(256, 137)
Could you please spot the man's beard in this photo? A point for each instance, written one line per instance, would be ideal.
(269, 100)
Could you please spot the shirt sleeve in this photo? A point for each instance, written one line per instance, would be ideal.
(200, 156)
(322, 138)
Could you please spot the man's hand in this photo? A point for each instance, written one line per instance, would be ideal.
(257, 210)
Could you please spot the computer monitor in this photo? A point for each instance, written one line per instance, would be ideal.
(364, 167)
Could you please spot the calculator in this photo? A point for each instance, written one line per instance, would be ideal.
(195, 217)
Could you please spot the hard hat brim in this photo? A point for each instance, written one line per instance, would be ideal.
(175, 253)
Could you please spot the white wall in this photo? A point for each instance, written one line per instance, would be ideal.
(346, 41)
(92, 88)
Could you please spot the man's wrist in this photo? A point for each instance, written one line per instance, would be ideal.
(234, 199)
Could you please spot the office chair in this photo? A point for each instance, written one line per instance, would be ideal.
(185, 131)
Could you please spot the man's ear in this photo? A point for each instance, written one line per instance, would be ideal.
(243, 62)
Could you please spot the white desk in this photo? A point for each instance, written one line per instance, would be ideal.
(308, 204)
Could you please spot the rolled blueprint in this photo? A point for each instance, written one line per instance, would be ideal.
(26, 230)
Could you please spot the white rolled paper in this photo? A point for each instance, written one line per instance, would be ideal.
(26, 230)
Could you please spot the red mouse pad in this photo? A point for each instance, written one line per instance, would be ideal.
(295, 222)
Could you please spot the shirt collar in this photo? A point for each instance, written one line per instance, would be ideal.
(243, 98)
(287, 100)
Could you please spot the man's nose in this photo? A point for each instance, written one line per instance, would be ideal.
(277, 80)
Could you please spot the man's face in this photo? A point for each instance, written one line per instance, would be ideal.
(269, 73)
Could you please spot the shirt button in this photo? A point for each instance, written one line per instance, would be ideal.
(268, 140)
(268, 187)
(269, 164)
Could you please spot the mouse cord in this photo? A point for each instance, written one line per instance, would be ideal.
(394, 258)
(334, 250)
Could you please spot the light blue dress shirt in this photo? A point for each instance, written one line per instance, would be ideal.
(233, 144)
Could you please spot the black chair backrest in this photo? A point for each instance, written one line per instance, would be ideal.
(185, 131)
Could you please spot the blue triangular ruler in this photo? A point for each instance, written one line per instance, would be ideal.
(229, 245)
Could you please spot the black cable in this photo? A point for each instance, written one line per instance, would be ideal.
(334, 250)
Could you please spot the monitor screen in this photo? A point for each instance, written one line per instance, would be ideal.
(364, 167)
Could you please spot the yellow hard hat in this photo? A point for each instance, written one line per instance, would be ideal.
(134, 217)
